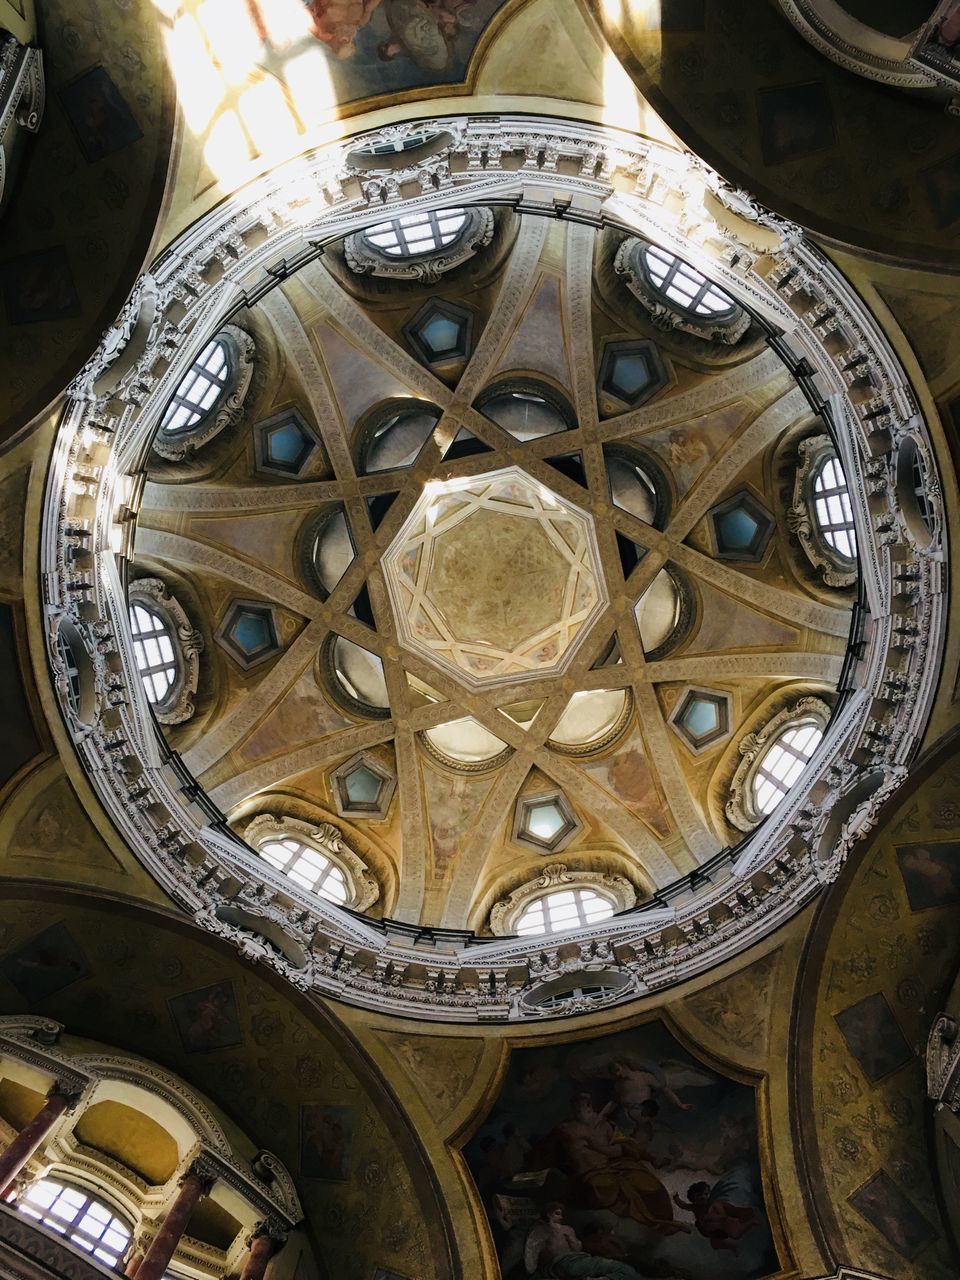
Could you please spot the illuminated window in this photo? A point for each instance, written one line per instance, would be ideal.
(201, 389)
(154, 652)
(414, 234)
(783, 762)
(924, 506)
(832, 507)
(307, 867)
(79, 1216)
(685, 287)
(394, 146)
(563, 910)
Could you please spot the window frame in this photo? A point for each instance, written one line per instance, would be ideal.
(667, 313)
(324, 839)
(507, 912)
(178, 703)
(742, 807)
(836, 570)
(363, 257)
(225, 411)
(74, 1235)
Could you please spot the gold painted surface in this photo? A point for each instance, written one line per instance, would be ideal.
(496, 578)
(889, 944)
(18, 1104)
(131, 1137)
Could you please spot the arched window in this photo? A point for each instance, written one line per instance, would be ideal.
(783, 762)
(684, 286)
(307, 867)
(166, 649)
(832, 508)
(315, 856)
(78, 1215)
(210, 395)
(201, 388)
(413, 234)
(71, 669)
(924, 505)
(526, 408)
(154, 652)
(562, 910)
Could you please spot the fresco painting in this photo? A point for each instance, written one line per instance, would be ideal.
(874, 1037)
(46, 964)
(931, 873)
(623, 1157)
(326, 1138)
(362, 48)
(893, 1214)
(207, 1018)
(101, 119)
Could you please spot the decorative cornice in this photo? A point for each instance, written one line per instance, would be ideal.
(582, 173)
(943, 1063)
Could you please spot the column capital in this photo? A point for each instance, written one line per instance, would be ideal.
(271, 1228)
(204, 1169)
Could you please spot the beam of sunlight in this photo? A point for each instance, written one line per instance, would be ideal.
(264, 110)
(227, 150)
(199, 84)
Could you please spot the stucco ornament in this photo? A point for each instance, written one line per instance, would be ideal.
(943, 1063)
(628, 264)
(227, 409)
(365, 258)
(588, 175)
(834, 569)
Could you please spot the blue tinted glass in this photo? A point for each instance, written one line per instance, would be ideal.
(251, 632)
(362, 786)
(701, 717)
(631, 373)
(737, 529)
(286, 444)
(440, 334)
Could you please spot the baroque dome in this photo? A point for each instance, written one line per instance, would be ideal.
(508, 558)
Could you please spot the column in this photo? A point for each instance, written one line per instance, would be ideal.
(32, 1135)
(193, 1185)
(262, 1244)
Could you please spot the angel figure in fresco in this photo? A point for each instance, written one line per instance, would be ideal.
(424, 31)
(336, 23)
(636, 1082)
(552, 1249)
(717, 1217)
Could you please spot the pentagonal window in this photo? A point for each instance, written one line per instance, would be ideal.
(562, 910)
(414, 234)
(249, 632)
(80, 1217)
(701, 718)
(783, 762)
(741, 528)
(832, 508)
(526, 408)
(285, 444)
(547, 822)
(393, 434)
(440, 332)
(363, 788)
(631, 372)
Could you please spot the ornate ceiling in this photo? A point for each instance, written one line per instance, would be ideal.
(510, 593)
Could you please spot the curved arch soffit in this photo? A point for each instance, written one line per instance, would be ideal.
(276, 225)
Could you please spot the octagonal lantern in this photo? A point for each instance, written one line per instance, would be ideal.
(494, 578)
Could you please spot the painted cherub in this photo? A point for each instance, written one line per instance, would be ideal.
(722, 1222)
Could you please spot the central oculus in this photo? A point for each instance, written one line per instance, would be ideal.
(494, 578)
